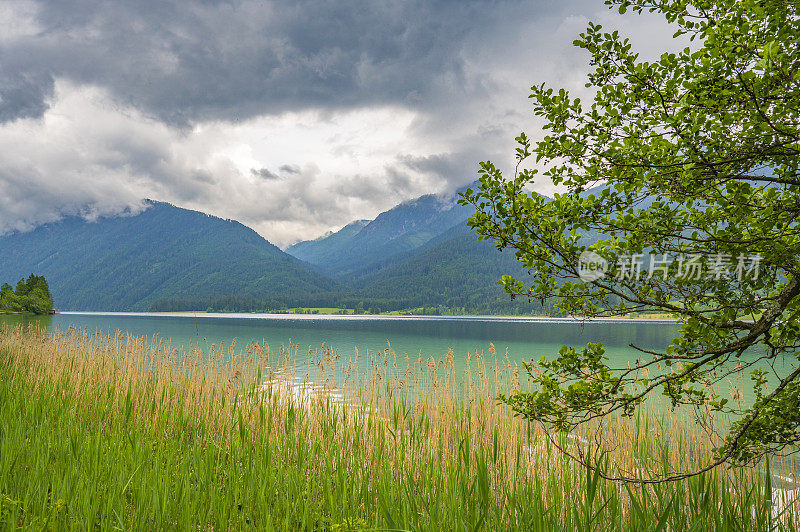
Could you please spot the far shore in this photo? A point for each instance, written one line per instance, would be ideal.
(26, 313)
(306, 316)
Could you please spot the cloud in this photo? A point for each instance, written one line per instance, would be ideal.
(289, 169)
(86, 156)
(24, 94)
(264, 173)
(186, 62)
(292, 117)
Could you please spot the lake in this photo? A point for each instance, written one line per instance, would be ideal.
(524, 338)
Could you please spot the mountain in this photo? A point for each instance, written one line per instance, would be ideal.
(400, 229)
(418, 254)
(132, 262)
(454, 269)
(315, 251)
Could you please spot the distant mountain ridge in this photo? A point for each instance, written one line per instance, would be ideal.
(164, 252)
(402, 228)
(420, 253)
(417, 254)
(316, 251)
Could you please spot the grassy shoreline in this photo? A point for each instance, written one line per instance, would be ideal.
(121, 432)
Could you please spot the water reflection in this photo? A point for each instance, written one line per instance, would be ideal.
(523, 340)
(13, 320)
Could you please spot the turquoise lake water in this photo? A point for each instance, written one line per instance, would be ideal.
(523, 338)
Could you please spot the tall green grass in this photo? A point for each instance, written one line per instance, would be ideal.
(128, 433)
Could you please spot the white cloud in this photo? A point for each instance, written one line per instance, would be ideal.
(88, 154)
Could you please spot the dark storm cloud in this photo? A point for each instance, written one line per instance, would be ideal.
(284, 170)
(264, 173)
(289, 169)
(23, 93)
(444, 165)
(183, 61)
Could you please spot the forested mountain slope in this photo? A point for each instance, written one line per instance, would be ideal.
(164, 252)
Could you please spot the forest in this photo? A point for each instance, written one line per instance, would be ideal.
(32, 295)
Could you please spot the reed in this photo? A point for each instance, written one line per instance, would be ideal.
(124, 432)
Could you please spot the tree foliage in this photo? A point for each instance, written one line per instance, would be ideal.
(696, 157)
(31, 295)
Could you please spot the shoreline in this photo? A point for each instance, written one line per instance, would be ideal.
(373, 317)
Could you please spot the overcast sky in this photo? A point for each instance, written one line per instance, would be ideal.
(292, 117)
